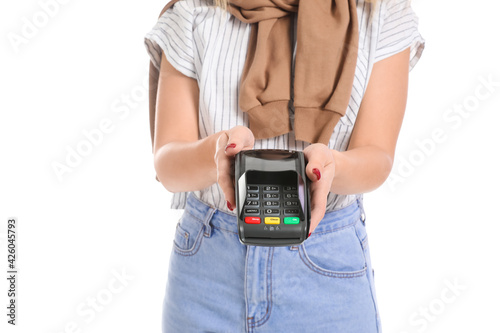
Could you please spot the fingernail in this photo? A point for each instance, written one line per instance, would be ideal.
(317, 173)
(231, 145)
(229, 205)
(309, 235)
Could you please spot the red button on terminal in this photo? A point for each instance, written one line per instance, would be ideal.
(252, 220)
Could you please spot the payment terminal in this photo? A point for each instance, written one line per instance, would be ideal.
(272, 197)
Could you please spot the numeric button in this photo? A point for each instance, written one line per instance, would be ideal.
(271, 188)
(270, 211)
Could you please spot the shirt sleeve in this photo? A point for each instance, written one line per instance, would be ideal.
(398, 31)
(173, 34)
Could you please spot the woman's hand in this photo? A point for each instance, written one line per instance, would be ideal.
(320, 169)
(229, 144)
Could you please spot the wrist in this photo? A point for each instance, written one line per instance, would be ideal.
(338, 158)
(211, 149)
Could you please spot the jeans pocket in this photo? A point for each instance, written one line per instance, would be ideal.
(337, 253)
(188, 235)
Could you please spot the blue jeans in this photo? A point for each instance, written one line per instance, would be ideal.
(216, 284)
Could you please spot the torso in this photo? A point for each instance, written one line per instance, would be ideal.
(220, 46)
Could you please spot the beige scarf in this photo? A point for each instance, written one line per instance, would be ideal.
(325, 62)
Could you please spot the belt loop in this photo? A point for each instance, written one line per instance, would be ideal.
(208, 218)
(361, 207)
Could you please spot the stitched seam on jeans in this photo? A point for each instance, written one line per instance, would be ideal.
(373, 301)
(365, 251)
(269, 294)
(248, 324)
(363, 241)
(194, 250)
(334, 230)
(223, 229)
(195, 217)
(341, 275)
(183, 234)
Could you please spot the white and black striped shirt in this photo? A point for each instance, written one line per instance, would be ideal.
(204, 43)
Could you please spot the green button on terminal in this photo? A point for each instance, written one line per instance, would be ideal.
(291, 220)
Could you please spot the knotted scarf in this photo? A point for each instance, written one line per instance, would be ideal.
(325, 62)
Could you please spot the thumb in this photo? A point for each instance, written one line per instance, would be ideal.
(314, 170)
(240, 138)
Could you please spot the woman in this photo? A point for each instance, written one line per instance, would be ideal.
(203, 52)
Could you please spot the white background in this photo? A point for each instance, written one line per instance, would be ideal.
(435, 226)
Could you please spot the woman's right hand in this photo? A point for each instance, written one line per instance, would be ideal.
(229, 143)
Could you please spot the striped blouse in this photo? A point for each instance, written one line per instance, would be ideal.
(207, 44)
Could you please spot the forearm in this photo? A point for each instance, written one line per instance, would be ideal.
(187, 166)
(360, 170)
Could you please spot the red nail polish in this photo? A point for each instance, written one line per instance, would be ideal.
(231, 145)
(229, 205)
(317, 173)
(309, 235)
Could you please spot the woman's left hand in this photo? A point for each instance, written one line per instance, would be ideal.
(320, 169)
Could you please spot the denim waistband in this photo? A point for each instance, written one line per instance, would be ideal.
(213, 217)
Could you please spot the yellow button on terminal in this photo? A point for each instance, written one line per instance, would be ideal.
(272, 220)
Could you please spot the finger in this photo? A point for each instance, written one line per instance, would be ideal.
(319, 158)
(225, 180)
(318, 204)
(240, 138)
(224, 167)
(221, 142)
